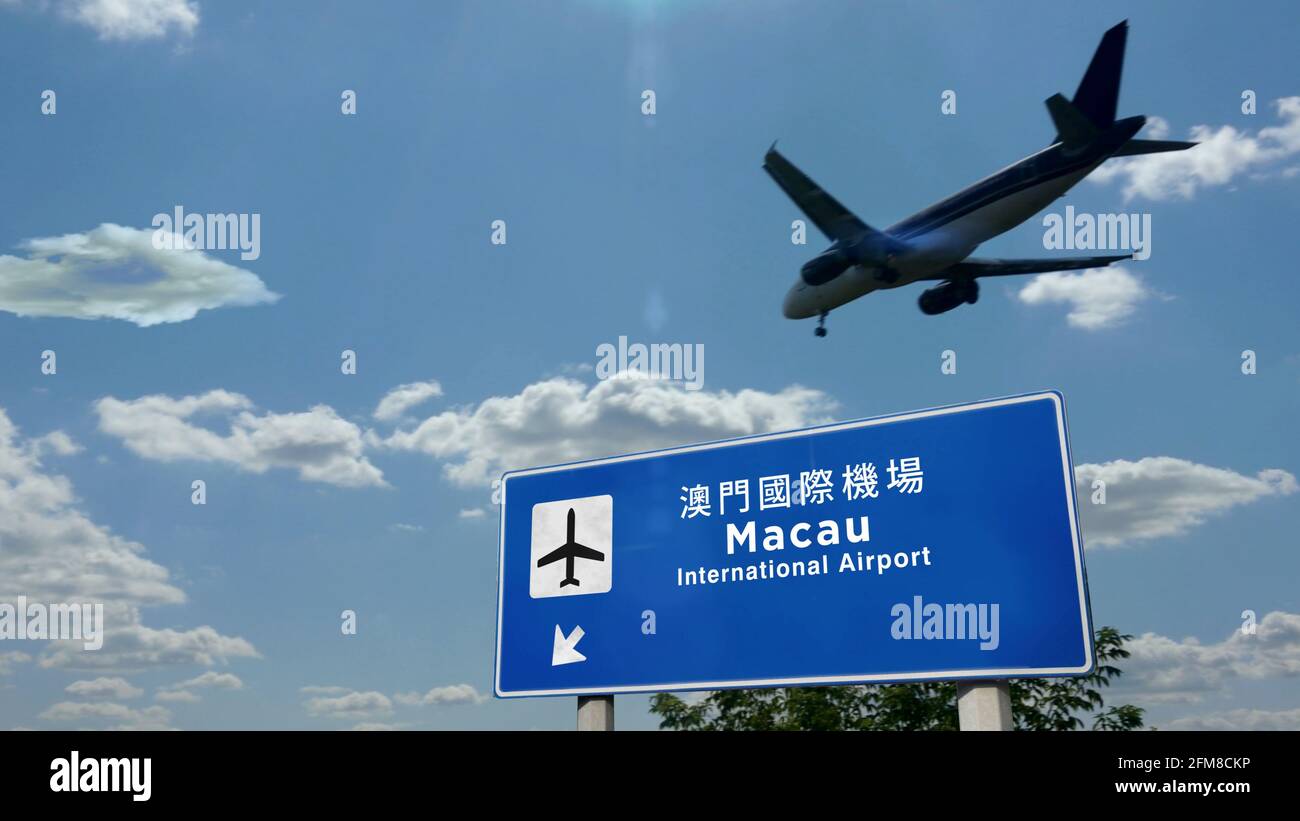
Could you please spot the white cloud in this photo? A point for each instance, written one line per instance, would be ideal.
(1157, 128)
(562, 419)
(181, 690)
(133, 19)
(220, 681)
(177, 696)
(56, 442)
(402, 527)
(1224, 153)
(451, 694)
(350, 705)
(11, 659)
(321, 445)
(132, 646)
(51, 552)
(1243, 719)
(1161, 496)
(404, 397)
(114, 272)
(104, 688)
(148, 718)
(1162, 669)
(472, 513)
(318, 690)
(1098, 297)
(376, 726)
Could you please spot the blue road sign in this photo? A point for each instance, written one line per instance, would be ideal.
(939, 544)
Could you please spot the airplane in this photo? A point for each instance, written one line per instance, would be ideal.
(569, 551)
(935, 244)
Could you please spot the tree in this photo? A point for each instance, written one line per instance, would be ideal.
(1036, 704)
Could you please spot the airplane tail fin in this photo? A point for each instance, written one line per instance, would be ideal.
(1072, 126)
(568, 582)
(1098, 92)
(1092, 111)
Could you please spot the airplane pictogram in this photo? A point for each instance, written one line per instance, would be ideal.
(569, 551)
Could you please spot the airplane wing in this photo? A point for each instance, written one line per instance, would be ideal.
(826, 212)
(553, 556)
(973, 267)
(584, 552)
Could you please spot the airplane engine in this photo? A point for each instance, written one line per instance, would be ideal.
(947, 296)
(825, 267)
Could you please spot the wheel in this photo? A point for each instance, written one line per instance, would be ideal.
(820, 332)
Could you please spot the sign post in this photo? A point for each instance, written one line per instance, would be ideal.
(934, 545)
(595, 713)
(984, 705)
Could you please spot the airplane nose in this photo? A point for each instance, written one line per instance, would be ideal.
(787, 305)
(795, 305)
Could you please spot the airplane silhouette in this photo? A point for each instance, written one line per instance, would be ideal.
(569, 551)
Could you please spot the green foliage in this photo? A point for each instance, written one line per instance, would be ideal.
(1036, 704)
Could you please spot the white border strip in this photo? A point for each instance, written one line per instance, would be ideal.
(1068, 475)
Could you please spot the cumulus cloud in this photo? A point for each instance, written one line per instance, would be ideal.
(183, 690)
(451, 694)
(220, 681)
(376, 726)
(55, 442)
(1097, 297)
(134, 19)
(562, 419)
(319, 690)
(321, 445)
(554, 420)
(1223, 155)
(51, 552)
(126, 718)
(1162, 669)
(11, 659)
(104, 688)
(354, 704)
(404, 397)
(1161, 496)
(1243, 719)
(133, 646)
(114, 272)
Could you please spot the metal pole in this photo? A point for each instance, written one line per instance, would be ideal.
(595, 713)
(984, 705)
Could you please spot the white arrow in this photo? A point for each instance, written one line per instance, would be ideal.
(563, 651)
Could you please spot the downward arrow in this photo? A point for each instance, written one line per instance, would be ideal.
(563, 652)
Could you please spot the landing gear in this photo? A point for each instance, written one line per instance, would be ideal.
(821, 324)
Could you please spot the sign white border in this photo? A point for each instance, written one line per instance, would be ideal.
(879, 678)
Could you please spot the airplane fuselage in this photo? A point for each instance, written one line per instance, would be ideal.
(947, 232)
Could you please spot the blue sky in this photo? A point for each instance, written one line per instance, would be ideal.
(375, 234)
